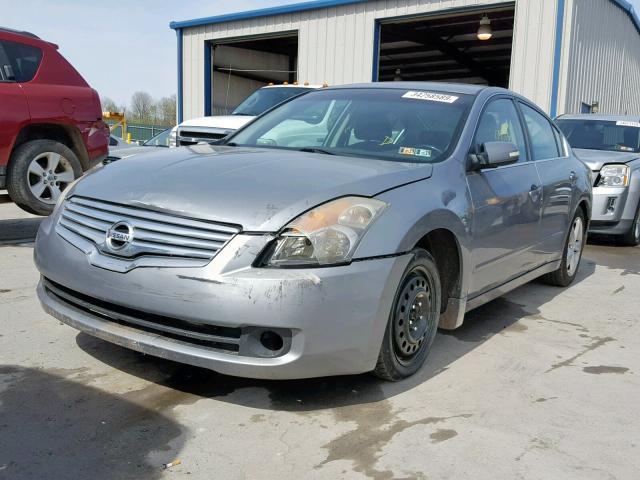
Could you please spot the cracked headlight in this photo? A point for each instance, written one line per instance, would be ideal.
(614, 176)
(325, 235)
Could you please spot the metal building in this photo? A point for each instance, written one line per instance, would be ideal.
(565, 55)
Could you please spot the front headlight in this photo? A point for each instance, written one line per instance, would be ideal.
(326, 235)
(614, 176)
(173, 137)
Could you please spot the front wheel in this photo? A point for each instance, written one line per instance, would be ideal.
(39, 171)
(413, 321)
(574, 244)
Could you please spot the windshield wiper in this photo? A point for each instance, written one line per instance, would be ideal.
(315, 150)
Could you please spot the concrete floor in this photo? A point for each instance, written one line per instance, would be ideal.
(540, 384)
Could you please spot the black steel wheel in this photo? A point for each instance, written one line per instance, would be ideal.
(413, 321)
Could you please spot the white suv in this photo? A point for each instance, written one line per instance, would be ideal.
(206, 129)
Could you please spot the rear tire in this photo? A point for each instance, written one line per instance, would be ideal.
(413, 321)
(39, 171)
(632, 237)
(571, 255)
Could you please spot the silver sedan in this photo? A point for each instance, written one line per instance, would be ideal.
(332, 235)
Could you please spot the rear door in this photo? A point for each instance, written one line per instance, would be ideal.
(14, 112)
(558, 180)
(506, 203)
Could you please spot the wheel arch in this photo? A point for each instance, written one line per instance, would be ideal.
(68, 135)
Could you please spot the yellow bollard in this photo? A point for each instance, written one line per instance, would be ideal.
(128, 138)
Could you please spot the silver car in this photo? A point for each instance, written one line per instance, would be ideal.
(610, 146)
(402, 207)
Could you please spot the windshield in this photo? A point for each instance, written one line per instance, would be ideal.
(263, 99)
(160, 140)
(389, 124)
(618, 136)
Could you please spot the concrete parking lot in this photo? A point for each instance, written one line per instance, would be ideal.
(541, 384)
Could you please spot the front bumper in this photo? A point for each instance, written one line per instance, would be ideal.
(613, 209)
(336, 315)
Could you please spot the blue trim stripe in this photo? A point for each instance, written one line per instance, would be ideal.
(179, 97)
(207, 78)
(263, 12)
(376, 51)
(555, 86)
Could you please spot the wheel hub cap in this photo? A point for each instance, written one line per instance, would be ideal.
(412, 317)
(574, 245)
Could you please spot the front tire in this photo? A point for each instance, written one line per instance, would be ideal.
(38, 173)
(573, 247)
(413, 321)
(632, 237)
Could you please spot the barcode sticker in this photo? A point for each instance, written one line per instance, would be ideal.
(626, 123)
(431, 96)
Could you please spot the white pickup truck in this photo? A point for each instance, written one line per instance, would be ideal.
(206, 129)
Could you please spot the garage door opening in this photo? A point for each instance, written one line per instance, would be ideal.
(239, 67)
(447, 48)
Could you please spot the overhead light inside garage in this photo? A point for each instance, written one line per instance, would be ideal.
(484, 30)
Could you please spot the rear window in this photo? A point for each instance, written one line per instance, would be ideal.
(21, 61)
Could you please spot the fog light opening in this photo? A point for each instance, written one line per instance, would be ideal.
(271, 340)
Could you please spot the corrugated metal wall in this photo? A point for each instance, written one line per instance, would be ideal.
(336, 44)
(603, 60)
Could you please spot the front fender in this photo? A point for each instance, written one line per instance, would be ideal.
(415, 210)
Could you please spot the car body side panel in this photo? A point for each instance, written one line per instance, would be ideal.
(13, 116)
(505, 225)
(558, 200)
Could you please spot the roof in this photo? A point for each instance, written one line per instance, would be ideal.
(461, 88)
(18, 32)
(318, 4)
(593, 116)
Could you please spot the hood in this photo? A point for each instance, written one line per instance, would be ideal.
(228, 122)
(258, 188)
(596, 159)
(128, 151)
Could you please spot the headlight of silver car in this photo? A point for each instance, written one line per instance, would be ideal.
(325, 235)
(614, 176)
(173, 137)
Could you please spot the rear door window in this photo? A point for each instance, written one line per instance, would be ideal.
(543, 140)
(24, 61)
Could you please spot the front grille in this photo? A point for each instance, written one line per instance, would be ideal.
(154, 233)
(226, 339)
(186, 137)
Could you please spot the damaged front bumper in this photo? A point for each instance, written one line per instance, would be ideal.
(319, 321)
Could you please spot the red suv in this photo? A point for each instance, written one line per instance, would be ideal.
(51, 127)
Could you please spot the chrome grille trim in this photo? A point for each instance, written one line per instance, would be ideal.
(156, 233)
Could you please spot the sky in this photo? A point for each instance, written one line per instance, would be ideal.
(121, 47)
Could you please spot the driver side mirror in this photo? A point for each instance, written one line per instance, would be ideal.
(495, 154)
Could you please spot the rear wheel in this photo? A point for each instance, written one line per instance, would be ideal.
(574, 244)
(413, 322)
(632, 237)
(39, 171)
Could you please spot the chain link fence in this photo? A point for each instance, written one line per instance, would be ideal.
(138, 132)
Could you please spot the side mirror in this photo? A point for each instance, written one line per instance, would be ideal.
(495, 154)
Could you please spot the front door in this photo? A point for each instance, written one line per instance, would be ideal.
(506, 204)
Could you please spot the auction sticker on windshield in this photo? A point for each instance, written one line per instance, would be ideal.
(626, 123)
(431, 96)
